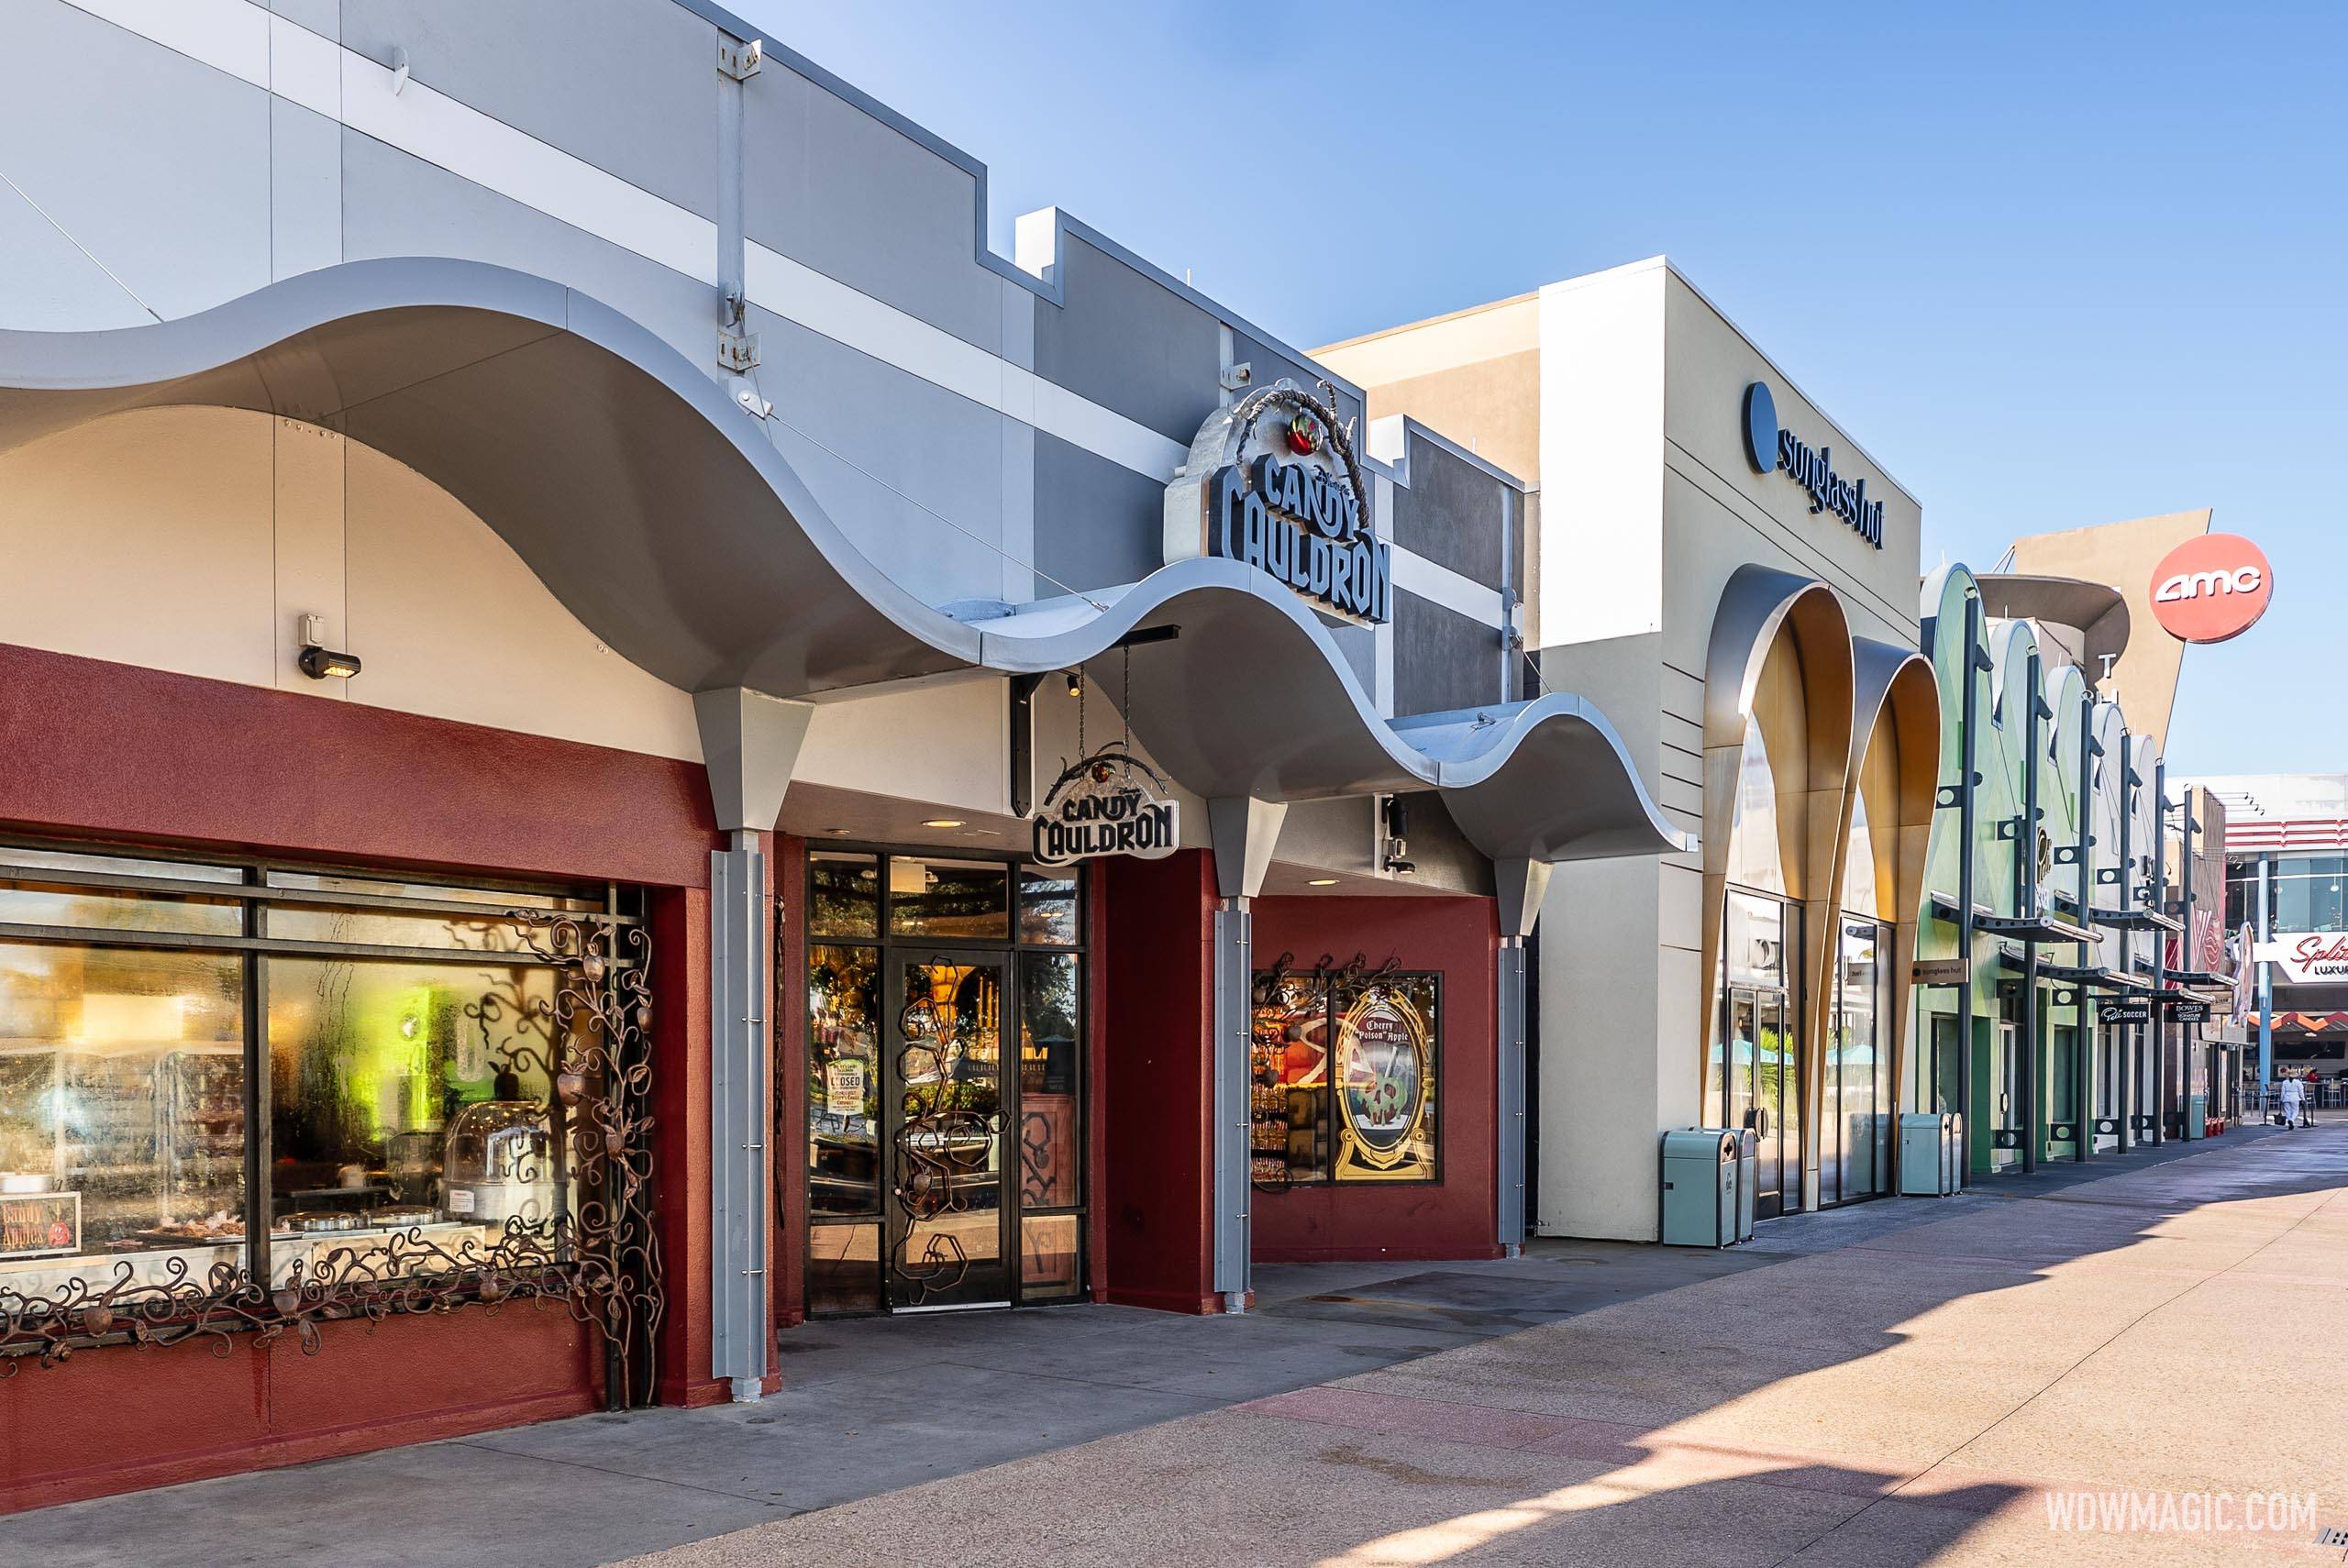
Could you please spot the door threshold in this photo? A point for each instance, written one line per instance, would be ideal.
(949, 1306)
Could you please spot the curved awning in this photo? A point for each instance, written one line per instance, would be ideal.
(659, 513)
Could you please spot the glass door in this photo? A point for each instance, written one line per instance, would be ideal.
(942, 1101)
(1777, 1098)
(2004, 1098)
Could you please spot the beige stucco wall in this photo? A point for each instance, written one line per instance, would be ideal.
(1648, 507)
(193, 540)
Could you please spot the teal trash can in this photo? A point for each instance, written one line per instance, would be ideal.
(1931, 1155)
(1701, 1178)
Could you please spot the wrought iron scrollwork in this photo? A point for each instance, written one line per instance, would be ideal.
(942, 1146)
(601, 1260)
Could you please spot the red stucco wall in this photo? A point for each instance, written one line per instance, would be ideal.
(1157, 1093)
(100, 750)
(1460, 938)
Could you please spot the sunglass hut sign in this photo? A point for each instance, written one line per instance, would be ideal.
(1770, 447)
(1273, 481)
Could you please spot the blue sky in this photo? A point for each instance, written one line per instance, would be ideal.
(2052, 265)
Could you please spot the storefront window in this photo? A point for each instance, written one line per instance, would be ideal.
(406, 1096)
(410, 1098)
(1047, 907)
(122, 1110)
(1755, 857)
(946, 1125)
(964, 899)
(843, 894)
(1346, 1068)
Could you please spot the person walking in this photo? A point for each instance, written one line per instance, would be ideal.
(2291, 1095)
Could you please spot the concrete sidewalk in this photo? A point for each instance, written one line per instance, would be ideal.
(1925, 1392)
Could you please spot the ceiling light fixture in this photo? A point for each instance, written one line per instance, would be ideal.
(942, 821)
(1320, 882)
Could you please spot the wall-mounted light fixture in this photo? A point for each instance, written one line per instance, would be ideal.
(1395, 857)
(1075, 683)
(319, 662)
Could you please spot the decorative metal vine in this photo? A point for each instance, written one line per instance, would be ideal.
(602, 1260)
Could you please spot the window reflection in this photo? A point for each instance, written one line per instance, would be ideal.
(969, 899)
(1049, 1055)
(122, 1110)
(409, 1097)
(844, 1080)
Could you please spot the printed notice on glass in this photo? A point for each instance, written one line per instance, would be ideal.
(843, 1086)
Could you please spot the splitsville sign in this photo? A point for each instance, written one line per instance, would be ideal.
(1769, 447)
(1273, 483)
(2299, 958)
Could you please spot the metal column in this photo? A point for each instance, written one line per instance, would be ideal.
(1975, 664)
(2156, 1031)
(1233, 1031)
(2083, 1036)
(740, 1086)
(2266, 988)
(1509, 1124)
(2026, 856)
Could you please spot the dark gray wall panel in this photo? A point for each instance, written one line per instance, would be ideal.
(888, 455)
(397, 205)
(1126, 343)
(1442, 661)
(629, 87)
(828, 185)
(1098, 523)
(1451, 515)
(1268, 365)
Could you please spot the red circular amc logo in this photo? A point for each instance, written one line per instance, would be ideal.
(2211, 588)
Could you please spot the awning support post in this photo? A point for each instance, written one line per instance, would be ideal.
(1520, 885)
(1243, 832)
(751, 744)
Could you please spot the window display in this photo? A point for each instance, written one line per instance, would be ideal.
(408, 1100)
(1344, 1077)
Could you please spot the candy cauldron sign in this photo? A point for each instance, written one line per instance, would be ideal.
(1108, 803)
(1273, 481)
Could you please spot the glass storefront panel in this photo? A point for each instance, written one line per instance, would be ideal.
(122, 1112)
(1289, 1130)
(966, 900)
(1047, 907)
(844, 1268)
(1051, 1125)
(33, 903)
(1857, 1121)
(1048, 1255)
(1755, 947)
(844, 1082)
(843, 894)
(411, 1098)
(489, 932)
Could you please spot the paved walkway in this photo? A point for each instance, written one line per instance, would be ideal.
(1927, 1392)
(1660, 1405)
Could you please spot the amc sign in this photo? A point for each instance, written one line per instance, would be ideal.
(2211, 588)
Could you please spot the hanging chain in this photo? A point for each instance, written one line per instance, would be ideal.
(1080, 752)
(1125, 699)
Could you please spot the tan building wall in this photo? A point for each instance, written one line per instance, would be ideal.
(1634, 390)
(2123, 555)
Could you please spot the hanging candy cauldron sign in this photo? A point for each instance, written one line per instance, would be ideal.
(1273, 481)
(1108, 803)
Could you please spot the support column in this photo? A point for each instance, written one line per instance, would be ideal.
(750, 744)
(1520, 885)
(1243, 832)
